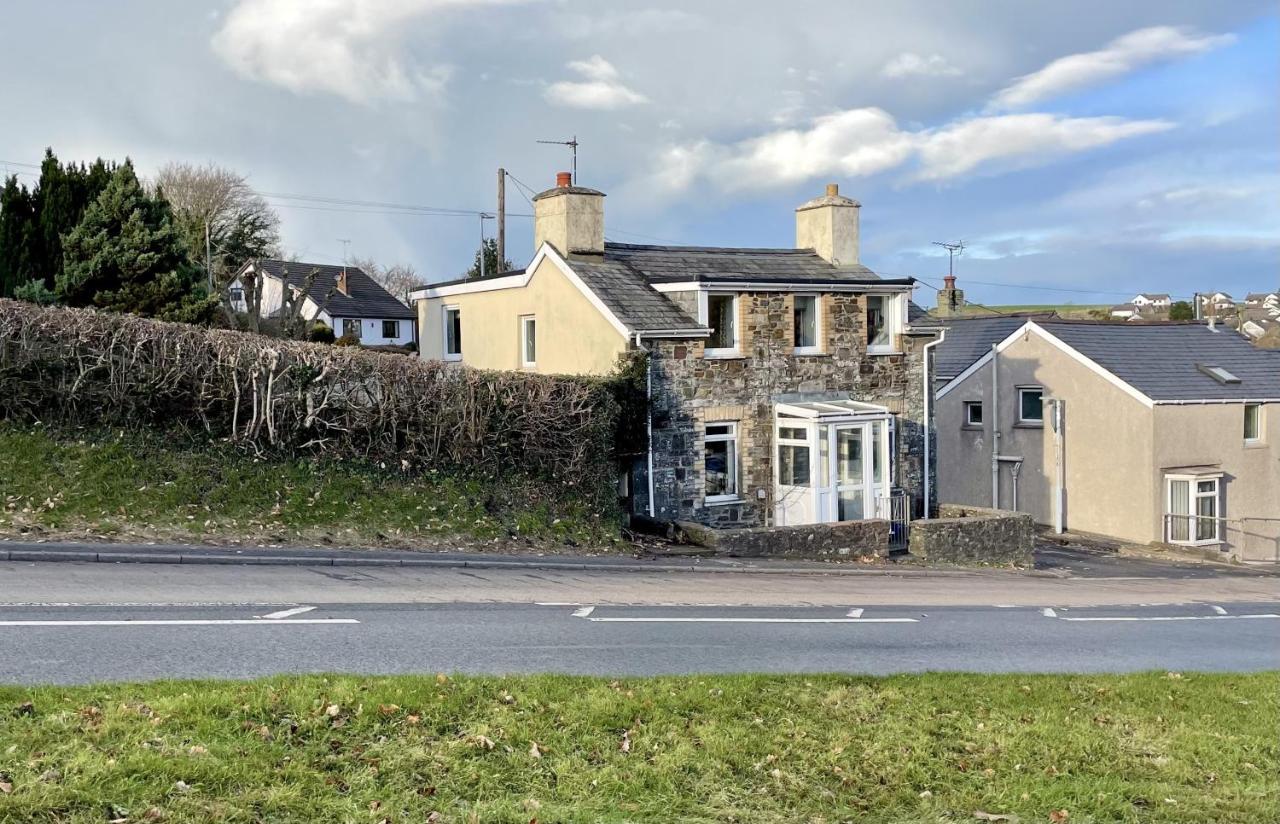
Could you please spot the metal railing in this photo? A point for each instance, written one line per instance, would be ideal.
(896, 509)
(1246, 539)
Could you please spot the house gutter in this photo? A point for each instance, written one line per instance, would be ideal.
(928, 429)
(1216, 401)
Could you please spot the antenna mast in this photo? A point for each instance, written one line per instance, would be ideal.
(572, 143)
(483, 217)
(953, 248)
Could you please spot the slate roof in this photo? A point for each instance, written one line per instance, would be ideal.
(1161, 360)
(969, 338)
(682, 264)
(635, 303)
(367, 299)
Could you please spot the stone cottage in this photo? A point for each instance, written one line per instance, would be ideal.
(785, 384)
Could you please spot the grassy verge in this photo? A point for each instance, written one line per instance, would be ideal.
(1152, 747)
(129, 486)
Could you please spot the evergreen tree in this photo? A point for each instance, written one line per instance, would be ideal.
(126, 255)
(1182, 310)
(17, 237)
(491, 265)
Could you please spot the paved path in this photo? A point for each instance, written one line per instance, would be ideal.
(83, 622)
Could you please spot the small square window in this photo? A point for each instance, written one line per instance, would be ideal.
(973, 413)
(391, 329)
(1030, 404)
(1252, 422)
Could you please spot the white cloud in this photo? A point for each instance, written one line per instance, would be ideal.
(1122, 55)
(960, 147)
(600, 87)
(350, 48)
(866, 141)
(909, 64)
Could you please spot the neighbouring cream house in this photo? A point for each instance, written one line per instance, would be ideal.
(785, 384)
(1145, 432)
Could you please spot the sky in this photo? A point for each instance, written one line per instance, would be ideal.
(1082, 151)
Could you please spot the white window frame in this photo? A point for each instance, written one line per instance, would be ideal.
(969, 406)
(527, 321)
(704, 314)
(359, 328)
(1193, 496)
(816, 348)
(396, 336)
(893, 322)
(1257, 434)
(444, 332)
(735, 479)
(1031, 421)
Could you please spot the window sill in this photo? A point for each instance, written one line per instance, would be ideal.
(1198, 544)
(810, 352)
(1029, 425)
(724, 355)
(723, 500)
(973, 427)
(873, 352)
(452, 358)
(1255, 444)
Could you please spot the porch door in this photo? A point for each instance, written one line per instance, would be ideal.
(850, 467)
(797, 484)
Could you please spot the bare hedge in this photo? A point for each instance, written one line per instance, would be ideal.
(84, 367)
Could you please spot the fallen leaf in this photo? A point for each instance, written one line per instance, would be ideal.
(181, 786)
(981, 816)
(625, 746)
(534, 751)
(1059, 816)
(197, 750)
(332, 710)
(433, 817)
(6, 787)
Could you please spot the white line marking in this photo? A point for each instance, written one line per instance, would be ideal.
(856, 612)
(1175, 618)
(1048, 612)
(285, 613)
(1219, 610)
(673, 620)
(583, 612)
(194, 622)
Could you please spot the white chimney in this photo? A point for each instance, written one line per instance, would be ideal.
(829, 226)
(570, 218)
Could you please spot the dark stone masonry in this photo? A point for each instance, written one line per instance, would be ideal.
(690, 390)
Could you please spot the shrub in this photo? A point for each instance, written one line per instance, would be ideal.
(90, 368)
(347, 340)
(320, 332)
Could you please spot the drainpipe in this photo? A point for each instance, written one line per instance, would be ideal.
(995, 426)
(1013, 470)
(648, 419)
(928, 407)
(1060, 478)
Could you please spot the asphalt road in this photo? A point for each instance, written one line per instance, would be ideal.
(82, 622)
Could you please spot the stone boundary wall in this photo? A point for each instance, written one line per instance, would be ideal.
(847, 539)
(974, 535)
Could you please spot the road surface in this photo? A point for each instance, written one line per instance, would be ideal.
(81, 623)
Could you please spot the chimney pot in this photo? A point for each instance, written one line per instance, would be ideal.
(950, 281)
(564, 179)
(833, 189)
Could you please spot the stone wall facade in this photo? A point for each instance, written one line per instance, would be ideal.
(843, 539)
(690, 390)
(974, 535)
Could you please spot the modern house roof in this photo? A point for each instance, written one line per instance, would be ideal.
(625, 276)
(1162, 362)
(969, 338)
(365, 297)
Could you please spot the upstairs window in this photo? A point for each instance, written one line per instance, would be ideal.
(1031, 405)
(452, 333)
(973, 413)
(391, 328)
(1252, 422)
(528, 341)
(882, 324)
(722, 317)
(805, 324)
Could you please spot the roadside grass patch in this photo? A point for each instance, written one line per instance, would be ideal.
(153, 487)
(1150, 747)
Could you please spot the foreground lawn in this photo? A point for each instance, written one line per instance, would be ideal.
(129, 486)
(1153, 747)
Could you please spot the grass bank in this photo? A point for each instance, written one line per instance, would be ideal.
(149, 487)
(1155, 747)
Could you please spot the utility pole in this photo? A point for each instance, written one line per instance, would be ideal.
(572, 143)
(502, 216)
(208, 257)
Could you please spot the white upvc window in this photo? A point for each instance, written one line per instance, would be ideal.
(973, 414)
(720, 462)
(720, 313)
(528, 341)
(1252, 423)
(794, 456)
(884, 319)
(807, 324)
(1031, 405)
(452, 330)
(1192, 509)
